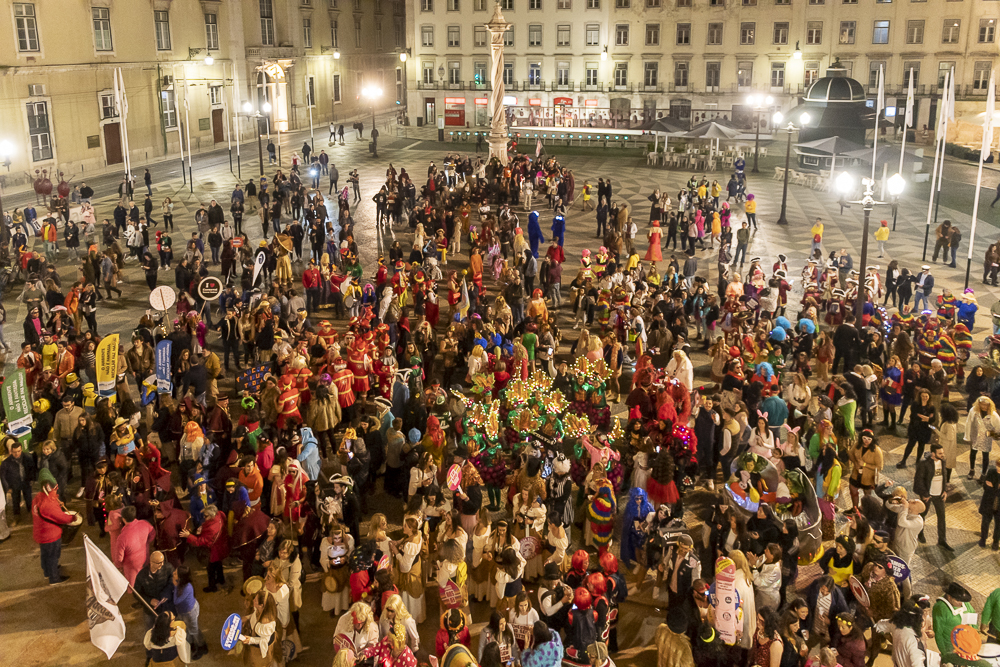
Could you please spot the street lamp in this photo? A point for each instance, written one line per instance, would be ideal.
(6, 149)
(757, 101)
(896, 183)
(257, 115)
(845, 184)
(803, 120)
(372, 94)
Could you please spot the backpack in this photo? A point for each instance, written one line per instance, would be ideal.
(621, 587)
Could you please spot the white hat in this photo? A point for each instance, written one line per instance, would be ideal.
(925, 267)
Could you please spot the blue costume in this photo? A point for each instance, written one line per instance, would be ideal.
(534, 233)
(632, 539)
(558, 230)
(967, 313)
(197, 507)
(309, 456)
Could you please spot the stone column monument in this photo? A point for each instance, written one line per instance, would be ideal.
(498, 118)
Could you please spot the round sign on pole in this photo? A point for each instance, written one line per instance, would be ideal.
(162, 298)
(531, 546)
(860, 594)
(209, 288)
(231, 631)
(454, 476)
(898, 569)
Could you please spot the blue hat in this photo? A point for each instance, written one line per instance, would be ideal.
(414, 435)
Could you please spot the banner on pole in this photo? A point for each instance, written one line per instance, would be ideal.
(17, 406)
(107, 367)
(258, 264)
(163, 382)
(105, 587)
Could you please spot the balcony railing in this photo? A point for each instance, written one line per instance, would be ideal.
(458, 85)
(427, 85)
(479, 85)
(533, 85)
(567, 86)
(591, 87)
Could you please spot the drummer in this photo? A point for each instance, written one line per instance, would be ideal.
(48, 515)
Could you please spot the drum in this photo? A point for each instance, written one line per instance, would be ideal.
(991, 654)
(71, 529)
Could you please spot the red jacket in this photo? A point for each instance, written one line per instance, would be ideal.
(211, 536)
(47, 516)
(312, 278)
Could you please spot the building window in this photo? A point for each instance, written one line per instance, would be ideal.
(749, 3)
(847, 30)
(454, 72)
(716, 3)
(378, 34)
(357, 32)
(169, 108)
(914, 32)
(307, 33)
(681, 75)
(479, 73)
(653, 4)
(564, 4)
(810, 73)
(713, 74)
(562, 35)
(161, 25)
(623, 4)
(215, 93)
(102, 28)
(777, 75)
(652, 34)
(535, 74)
(880, 32)
(534, 35)
(266, 23)
(454, 36)
(949, 32)
(621, 74)
(108, 106)
(508, 36)
(427, 5)
(428, 70)
(593, 34)
(621, 34)
(591, 74)
(911, 65)
(333, 35)
(782, 2)
(814, 32)
(781, 33)
(714, 34)
(683, 3)
(336, 88)
(27, 28)
(562, 73)
(534, 4)
(980, 75)
(744, 74)
(987, 30)
(873, 69)
(683, 34)
(479, 36)
(38, 131)
(650, 74)
(507, 5)
(211, 32)
(427, 35)
(508, 74)
(479, 5)
(593, 4)
(747, 31)
(453, 5)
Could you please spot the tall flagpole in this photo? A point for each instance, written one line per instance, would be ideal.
(907, 121)
(236, 122)
(938, 136)
(128, 157)
(949, 116)
(879, 104)
(987, 146)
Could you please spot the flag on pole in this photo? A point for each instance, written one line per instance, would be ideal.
(464, 303)
(538, 147)
(909, 103)
(951, 95)
(105, 587)
(988, 121)
(880, 101)
(123, 99)
(943, 112)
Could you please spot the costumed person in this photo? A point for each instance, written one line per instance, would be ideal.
(358, 627)
(654, 253)
(558, 230)
(335, 551)
(534, 233)
(634, 525)
(453, 577)
(409, 566)
(602, 510)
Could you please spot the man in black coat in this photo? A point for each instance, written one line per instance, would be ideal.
(928, 483)
(845, 344)
(989, 507)
(18, 471)
(216, 216)
(154, 585)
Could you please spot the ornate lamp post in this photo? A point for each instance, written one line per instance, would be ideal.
(498, 117)
(757, 101)
(803, 120)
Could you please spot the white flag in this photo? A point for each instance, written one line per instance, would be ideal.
(105, 587)
(988, 121)
(943, 112)
(464, 303)
(951, 95)
(123, 96)
(880, 101)
(908, 122)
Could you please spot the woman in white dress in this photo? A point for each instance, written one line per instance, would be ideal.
(479, 576)
(762, 440)
(500, 540)
(556, 540)
(406, 556)
(262, 648)
(359, 626)
(529, 521)
(334, 552)
(507, 581)
(274, 583)
(767, 579)
(453, 568)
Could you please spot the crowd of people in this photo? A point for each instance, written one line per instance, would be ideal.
(538, 478)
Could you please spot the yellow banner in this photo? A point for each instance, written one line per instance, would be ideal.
(107, 367)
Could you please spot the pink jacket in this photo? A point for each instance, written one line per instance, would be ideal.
(132, 550)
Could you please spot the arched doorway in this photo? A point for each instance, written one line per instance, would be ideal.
(272, 87)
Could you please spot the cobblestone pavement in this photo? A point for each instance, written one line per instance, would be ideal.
(54, 630)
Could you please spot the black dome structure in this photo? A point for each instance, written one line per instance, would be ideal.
(836, 107)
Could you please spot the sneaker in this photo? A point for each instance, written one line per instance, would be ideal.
(901, 465)
(61, 579)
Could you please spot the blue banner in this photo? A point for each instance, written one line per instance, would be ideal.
(251, 379)
(163, 369)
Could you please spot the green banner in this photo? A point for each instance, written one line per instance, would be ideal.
(17, 405)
